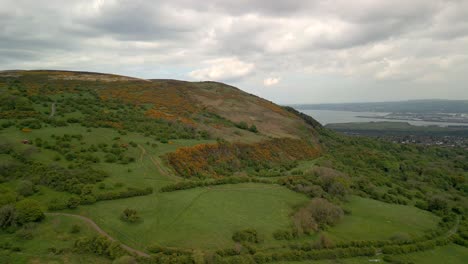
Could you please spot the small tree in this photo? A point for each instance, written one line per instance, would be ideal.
(25, 188)
(73, 202)
(8, 216)
(247, 235)
(130, 215)
(29, 211)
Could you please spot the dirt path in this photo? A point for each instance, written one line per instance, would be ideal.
(102, 232)
(157, 163)
(52, 110)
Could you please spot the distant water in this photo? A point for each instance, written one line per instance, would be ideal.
(329, 117)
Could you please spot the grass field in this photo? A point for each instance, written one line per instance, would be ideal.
(53, 232)
(208, 215)
(453, 254)
(374, 220)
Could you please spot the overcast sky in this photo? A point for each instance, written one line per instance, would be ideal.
(289, 51)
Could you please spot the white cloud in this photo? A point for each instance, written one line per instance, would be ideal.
(271, 81)
(223, 69)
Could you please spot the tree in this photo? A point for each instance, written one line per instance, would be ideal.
(25, 188)
(304, 222)
(29, 211)
(319, 213)
(247, 235)
(8, 216)
(73, 202)
(437, 203)
(130, 215)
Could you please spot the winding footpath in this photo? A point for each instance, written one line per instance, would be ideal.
(101, 232)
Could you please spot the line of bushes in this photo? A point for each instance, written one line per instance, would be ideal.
(75, 201)
(130, 192)
(421, 246)
(99, 245)
(184, 185)
(298, 255)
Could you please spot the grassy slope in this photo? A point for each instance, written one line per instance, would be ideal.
(374, 220)
(201, 217)
(54, 231)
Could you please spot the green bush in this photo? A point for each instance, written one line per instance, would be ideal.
(247, 235)
(129, 215)
(29, 210)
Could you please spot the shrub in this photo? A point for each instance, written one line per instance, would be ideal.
(247, 235)
(99, 245)
(129, 215)
(253, 129)
(25, 188)
(8, 216)
(73, 202)
(283, 235)
(29, 211)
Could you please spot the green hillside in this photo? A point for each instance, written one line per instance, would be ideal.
(100, 168)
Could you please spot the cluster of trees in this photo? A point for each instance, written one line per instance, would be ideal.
(69, 149)
(72, 179)
(98, 110)
(223, 158)
(433, 178)
(317, 214)
(99, 245)
(89, 197)
(293, 255)
(20, 213)
(320, 182)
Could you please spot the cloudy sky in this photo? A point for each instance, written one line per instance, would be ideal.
(291, 51)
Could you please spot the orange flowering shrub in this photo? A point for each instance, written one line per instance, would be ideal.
(226, 158)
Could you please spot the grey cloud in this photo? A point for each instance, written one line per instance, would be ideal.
(340, 38)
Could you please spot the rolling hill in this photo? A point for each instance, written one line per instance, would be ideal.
(102, 168)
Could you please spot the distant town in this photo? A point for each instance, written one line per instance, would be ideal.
(443, 141)
(461, 118)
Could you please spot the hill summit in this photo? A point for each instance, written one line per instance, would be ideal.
(222, 110)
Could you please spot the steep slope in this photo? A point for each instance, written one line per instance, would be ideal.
(220, 109)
